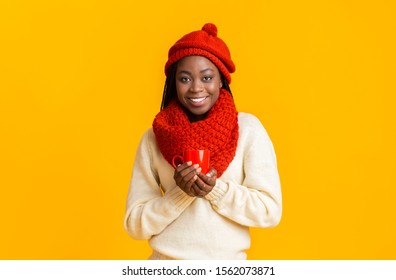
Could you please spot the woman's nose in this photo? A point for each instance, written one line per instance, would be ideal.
(196, 86)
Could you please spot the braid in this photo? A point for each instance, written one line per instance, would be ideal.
(170, 86)
(225, 83)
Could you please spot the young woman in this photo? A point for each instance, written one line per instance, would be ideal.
(184, 213)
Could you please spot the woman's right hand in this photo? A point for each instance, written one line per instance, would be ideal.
(185, 176)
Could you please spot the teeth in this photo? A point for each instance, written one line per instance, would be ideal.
(197, 99)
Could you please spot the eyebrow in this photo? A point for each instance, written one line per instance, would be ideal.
(189, 73)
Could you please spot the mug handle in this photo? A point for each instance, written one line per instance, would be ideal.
(174, 158)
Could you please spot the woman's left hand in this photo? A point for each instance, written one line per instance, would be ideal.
(205, 183)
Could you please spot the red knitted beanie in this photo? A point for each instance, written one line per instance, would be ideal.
(204, 43)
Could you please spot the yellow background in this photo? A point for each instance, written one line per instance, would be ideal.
(80, 81)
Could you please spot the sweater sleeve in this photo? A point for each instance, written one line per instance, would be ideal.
(257, 202)
(148, 211)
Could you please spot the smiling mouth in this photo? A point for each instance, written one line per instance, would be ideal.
(198, 99)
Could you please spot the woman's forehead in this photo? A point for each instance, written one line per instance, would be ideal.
(196, 63)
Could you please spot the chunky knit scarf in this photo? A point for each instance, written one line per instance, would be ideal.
(218, 132)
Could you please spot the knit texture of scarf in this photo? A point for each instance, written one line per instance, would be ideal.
(218, 132)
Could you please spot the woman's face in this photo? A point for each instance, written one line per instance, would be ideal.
(198, 84)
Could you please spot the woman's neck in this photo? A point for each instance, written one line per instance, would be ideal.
(195, 118)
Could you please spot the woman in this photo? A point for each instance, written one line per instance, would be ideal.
(184, 213)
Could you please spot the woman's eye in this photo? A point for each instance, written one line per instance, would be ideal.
(207, 78)
(184, 79)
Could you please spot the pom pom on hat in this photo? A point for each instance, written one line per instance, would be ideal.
(205, 43)
(210, 28)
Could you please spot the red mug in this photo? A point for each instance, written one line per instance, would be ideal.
(200, 157)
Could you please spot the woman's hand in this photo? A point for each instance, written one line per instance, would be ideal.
(185, 175)
(204, 183)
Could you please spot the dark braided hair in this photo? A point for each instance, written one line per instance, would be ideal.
(170, 86)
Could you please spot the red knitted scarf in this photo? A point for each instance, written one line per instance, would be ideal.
(218, 132)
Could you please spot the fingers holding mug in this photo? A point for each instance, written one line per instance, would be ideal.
(185, 175)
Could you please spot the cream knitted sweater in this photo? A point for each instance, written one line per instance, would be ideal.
(178, 226)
